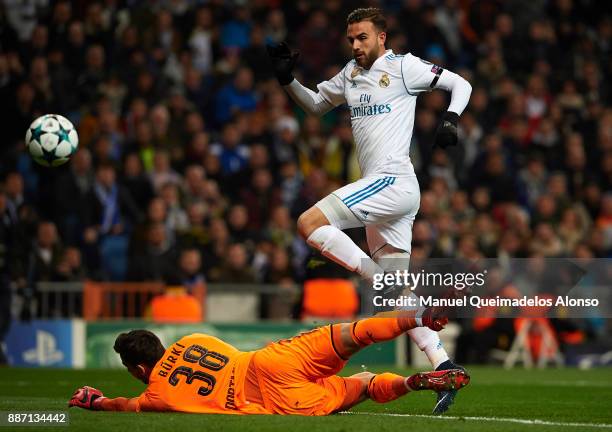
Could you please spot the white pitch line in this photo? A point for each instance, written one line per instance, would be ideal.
(491, 419)
(578, 383)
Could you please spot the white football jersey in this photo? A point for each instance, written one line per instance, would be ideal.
(382, 102)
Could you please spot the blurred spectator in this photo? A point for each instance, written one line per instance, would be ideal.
(232, 154)
(201, 40)
(239, 96)
(15, 198)
(196, 235)
(236, 267)
(111, 206)
(71, 194)
(317, 41)
(70, 267)
(255, 55)
(177, 216)
(194, 183)
(546, 242)
(237, 222)
(157, 213)
(279, 272)
(39, 264)
(94, 74)
(235, 32)
(260, 198)
(532, 179)
(135, 181)
(280, 229)
(290, 183)
(162, 172)
(45, 253)
(190, 270)
(216, 251)
(157, 261)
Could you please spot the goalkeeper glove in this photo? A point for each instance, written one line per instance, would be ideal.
(446, 134)
(88, 398)
(283, 61)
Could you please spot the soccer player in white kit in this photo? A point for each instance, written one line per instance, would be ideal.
(381, 90)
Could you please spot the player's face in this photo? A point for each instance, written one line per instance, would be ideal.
(139, 372)
(366, 42)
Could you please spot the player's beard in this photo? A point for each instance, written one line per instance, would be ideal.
(368, 58)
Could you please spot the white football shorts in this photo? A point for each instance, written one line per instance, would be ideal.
(385, 205)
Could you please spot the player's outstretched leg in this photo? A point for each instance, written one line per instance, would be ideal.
(347, 338)
(387, 387)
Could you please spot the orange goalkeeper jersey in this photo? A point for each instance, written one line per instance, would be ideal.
(200, 374)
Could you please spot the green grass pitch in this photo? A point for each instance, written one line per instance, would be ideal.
(495, 400)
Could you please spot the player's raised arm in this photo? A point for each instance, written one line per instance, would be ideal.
(420, 76)
(330, 95)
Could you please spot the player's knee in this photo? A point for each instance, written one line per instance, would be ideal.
(364, 377)
(391, 258)
(304, 226)
(309, 221)
(342, 340)
(389, 251)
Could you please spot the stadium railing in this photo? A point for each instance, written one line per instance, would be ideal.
(119, 300)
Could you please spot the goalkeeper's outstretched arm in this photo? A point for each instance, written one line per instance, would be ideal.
(92, 399)
(119, 404)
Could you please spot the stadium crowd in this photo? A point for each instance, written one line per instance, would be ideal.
(193, 164)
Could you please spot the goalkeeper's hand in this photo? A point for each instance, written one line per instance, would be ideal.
(446, 134)
(283, 61)
(88, 398)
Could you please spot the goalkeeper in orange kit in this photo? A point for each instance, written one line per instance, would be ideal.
(202, 374)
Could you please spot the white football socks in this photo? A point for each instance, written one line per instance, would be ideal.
(429, 342)
(337, 246)
(425, 338)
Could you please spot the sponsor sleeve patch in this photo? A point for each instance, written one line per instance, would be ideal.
(436, 70)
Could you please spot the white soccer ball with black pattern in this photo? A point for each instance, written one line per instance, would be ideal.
(51, 140)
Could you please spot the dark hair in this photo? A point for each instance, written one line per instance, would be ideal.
(139, 347)
(374, 15)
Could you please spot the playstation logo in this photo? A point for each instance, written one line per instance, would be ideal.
(45, 353)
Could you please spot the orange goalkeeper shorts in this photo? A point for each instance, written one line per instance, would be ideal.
(297, 375)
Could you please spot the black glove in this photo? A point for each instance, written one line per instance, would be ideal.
(283, 61)
(446, 134)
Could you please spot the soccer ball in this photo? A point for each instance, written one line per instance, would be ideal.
(51, 140)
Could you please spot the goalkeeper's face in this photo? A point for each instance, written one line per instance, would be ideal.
(140, 372)
(367, 42)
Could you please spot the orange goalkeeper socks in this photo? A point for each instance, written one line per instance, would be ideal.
(372, 330)
(386, 387)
